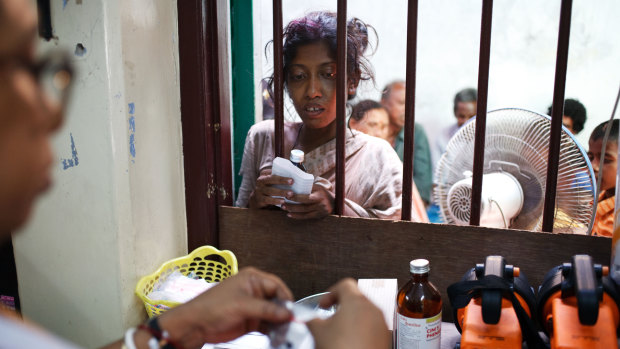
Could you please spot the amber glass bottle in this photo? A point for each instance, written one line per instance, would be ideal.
(418, 314)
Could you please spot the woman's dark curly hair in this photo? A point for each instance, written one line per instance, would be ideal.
(321, 27)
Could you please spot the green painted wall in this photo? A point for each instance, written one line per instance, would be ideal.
(242, 47)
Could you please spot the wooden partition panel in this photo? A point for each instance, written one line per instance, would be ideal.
(312, 255)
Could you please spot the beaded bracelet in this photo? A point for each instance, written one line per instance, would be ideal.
(162, 338)
(129, 343)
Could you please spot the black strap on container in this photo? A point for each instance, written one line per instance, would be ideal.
(461, 293)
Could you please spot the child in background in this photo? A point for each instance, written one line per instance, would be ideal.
(371, 118)
(604, 220)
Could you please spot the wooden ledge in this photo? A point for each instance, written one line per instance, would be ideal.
(312, 255)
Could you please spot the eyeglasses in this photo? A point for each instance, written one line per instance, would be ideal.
(54, 73)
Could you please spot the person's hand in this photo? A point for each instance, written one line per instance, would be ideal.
(238, 305)
(263, 193)
(356, 324)
(318, 204)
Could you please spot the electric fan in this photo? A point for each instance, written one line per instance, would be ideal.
(514, 180)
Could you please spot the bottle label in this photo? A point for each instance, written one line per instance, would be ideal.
(418, 333)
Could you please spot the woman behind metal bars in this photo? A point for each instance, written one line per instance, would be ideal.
(373, 170)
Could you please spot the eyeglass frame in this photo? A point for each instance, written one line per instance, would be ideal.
(59, 60)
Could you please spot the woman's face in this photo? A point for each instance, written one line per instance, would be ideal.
(311, 83)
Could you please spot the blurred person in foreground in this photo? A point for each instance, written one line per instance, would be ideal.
(604, 221)
(393, 99)
(29, 116)
(371, 118)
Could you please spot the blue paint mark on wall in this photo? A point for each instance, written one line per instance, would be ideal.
(132, 124)
(74, 161)
(132, 131)
(132, 145)
(64, 3)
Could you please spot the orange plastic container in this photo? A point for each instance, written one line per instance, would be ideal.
(570, 334)
(506, 334)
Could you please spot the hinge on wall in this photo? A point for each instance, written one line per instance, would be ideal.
(213, 189)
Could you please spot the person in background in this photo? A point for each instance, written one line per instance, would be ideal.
(604, 221)
(393, 99)
(464, 109)
(574, 117)
(29, 116)
(371, 118)
(374, 173)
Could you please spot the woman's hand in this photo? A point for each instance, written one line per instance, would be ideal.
(318, 204)
(238, 305)
(356, 324)
(262, 196)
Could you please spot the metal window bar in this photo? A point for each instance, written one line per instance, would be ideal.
(278, 91)
(481, 110)
(483, 80)
(412, 36)
(557, 110)
(341, 100)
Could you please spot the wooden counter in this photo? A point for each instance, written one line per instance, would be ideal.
(312, 255)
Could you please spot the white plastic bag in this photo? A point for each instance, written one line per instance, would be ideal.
(179, 288)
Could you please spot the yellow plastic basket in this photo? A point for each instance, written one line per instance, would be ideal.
(207, 262)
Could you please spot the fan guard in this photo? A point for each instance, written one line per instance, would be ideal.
(460, 202)
(517, 144)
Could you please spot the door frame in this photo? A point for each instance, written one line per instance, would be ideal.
(205, 115)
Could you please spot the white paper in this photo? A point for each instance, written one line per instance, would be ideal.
(302, 181)
(382, 292)
(256, 340)
(252, 340)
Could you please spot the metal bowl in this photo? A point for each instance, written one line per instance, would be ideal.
(313, 302)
